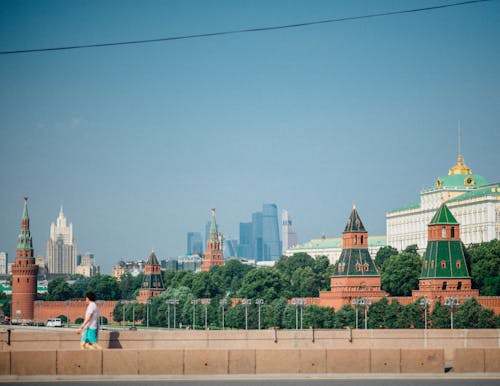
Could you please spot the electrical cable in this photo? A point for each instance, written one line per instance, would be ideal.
(240, 31)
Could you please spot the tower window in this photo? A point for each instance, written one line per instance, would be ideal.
(443, 264)
(459, 264)
(358, 267)
(459, 285)
(362, 237)
(452, 232)
(355, 239)
(443, 232)
(445, 284)
(432, 264)
(366, 267)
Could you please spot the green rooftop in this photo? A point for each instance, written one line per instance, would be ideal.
(443, 216)
(490, 190)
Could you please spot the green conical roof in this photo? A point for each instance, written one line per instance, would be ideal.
(214, 233)
(24, 240)
(152, 260)
(354, 223)
(443, 216)
(444, 259)
(355, 262)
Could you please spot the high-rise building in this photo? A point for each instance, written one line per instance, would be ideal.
(260, 239)
(194, 243)
(86, 265)
(245, 247)
(4, 260)
(24, 272)
(214, 253)
(271, 232)
(289, 237)
(61, 247)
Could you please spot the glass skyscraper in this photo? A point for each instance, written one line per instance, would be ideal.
(260, 239)
(194, 243)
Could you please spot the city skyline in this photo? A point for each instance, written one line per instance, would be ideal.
(139, 142)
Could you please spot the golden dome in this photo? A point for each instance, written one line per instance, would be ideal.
(460, 167)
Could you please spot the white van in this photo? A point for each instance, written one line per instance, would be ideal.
(55, 322)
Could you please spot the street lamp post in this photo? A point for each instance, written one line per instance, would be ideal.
(206, 302)
(367, 303)
(452, 303)
(148, 303)
(359, 302)
(425, 303)
(299, 303)
(168, 302)
(68, 302)
(133, 312)
(222, 303)
(246, 303)
(259, 303)
(174, 302)
(124, 302)
(194, 302)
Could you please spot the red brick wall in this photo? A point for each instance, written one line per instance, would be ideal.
(76, 309)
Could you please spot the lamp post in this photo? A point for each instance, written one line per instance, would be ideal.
(298, 302)
(124, 302)
(206, 302)
(68, 302)
(174, 302)
(360, 302)
(222, 303)
(259, 303)
(194, 302)
(452, 303)
(133, 312)
(425, 303)
(246, 303)
(168, 302)
(148, 303)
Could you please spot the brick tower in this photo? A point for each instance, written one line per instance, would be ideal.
(152, 283)
(24, 272)
(355, 275)
(213, 255)
(444, 271)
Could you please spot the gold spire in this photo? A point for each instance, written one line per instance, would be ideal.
(460, 167)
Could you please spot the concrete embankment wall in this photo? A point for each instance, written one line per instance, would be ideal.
(55, 351)
(243, 361)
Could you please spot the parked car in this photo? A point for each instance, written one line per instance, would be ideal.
(54, 322)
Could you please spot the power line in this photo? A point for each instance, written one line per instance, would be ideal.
(240, 31)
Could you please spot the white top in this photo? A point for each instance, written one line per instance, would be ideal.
(94, 312)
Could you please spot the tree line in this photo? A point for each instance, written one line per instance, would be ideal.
(297, 276)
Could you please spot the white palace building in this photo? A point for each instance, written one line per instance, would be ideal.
(473, 201)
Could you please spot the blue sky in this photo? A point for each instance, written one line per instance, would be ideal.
(139, 142)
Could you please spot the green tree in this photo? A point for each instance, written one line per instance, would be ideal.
(265, 283)
(485, 264)
(127, 286)
(105, 287)
(318, 317)
(400, 274)
(59, 289)
(377, 314)
(345, 317)
(471, 314)
(440, 316)
(324, 269)
(383, 254)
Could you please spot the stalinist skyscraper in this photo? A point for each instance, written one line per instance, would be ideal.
(61, 247)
